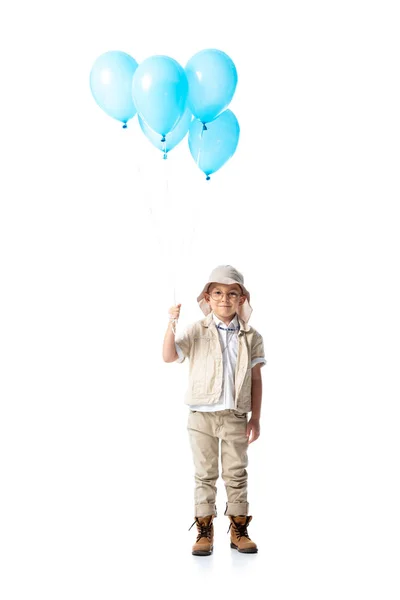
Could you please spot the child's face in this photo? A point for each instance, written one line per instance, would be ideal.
(224, 300)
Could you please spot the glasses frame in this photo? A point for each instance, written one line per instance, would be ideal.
(223, 294)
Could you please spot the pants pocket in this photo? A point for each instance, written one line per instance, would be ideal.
(240, 415)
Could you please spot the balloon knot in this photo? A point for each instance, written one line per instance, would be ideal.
(124, 126)
(208, 178)
(163, 138)
(204, 127)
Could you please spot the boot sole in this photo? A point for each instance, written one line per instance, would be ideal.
(202, 552)
(244, 550)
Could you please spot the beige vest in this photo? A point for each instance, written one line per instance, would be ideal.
(202, 346)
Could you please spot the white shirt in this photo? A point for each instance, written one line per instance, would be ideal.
(229, 344)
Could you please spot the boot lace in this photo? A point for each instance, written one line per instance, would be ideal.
(204, 530)
(240, 529)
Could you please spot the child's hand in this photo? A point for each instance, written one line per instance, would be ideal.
(174, 311)
(253, 428)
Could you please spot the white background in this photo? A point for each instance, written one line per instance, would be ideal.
(96, 471)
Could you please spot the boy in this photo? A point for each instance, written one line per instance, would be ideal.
(226, 356)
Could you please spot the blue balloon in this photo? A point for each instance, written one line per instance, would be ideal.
(173, 138)
(212, 78)
(111, 84)
(159, 91)
(213, 146)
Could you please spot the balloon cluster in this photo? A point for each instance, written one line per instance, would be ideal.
(171, 101)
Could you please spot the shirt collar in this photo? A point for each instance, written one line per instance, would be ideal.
(244, 327)
(233, 324)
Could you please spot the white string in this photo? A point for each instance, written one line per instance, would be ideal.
(154, 219)
(177, 256)
(192, 218)
(170, 211)
(170, 263)
(148, 191)
(200, 148)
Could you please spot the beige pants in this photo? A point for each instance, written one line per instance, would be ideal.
(205, 430)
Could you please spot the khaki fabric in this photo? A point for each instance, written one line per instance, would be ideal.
(200, 344)
(208, 431)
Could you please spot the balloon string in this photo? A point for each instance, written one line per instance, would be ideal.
(172, 260)
(146, 195)
(200, 147)
(155, 222)
(170, 264)
(192, 228)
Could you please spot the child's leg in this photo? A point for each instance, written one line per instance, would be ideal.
(234, 461)
(205, 450)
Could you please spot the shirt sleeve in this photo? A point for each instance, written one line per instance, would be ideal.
(257, 352)
(182, 345)
(181, 356)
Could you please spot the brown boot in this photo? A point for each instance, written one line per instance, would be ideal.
(239, 537)
(205, 538)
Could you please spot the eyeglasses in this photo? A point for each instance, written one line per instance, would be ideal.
(217, 295)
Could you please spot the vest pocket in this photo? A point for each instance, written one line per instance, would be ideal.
(197, 388)
(201, 352)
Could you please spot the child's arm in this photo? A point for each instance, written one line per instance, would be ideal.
(169, 352)
(257, 360)
(253, 426)
(256, 391)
